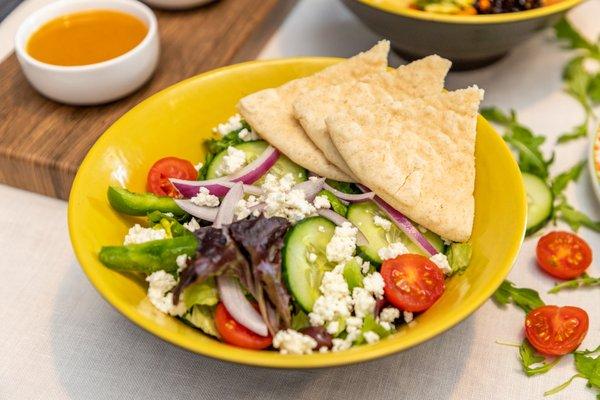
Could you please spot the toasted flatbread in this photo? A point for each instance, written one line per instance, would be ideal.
(418, 155)
(270, 111)
(418, 79)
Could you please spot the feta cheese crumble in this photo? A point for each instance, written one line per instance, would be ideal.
(138, 234)
(283, 201)
(371, 337)
(233, 124)
(198, 166)
(387, 316)
(243, 208)
(289, 341)
(181, 262)
(408, 316)
(192, 225)
(335, 301)
(384, 223)
(160, 283)
(441, 261)
(205, 199)
(247, 135)
(373, 283)
(321, 202)
(364, 303)
(233, 161)
(392, 251)
(343, 243)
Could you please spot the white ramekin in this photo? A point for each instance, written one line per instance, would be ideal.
(94, 83)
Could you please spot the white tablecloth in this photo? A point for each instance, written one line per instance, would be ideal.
(59, 339)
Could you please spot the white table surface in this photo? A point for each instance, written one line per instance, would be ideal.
(60, 340)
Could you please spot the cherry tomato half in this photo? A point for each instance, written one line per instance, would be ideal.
(556, 331)
(563, 255)
(169, 167)
(412, 282)
(238, 335)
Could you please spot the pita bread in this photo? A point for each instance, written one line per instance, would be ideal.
(418, 79)
(270, 111)
(418, 155)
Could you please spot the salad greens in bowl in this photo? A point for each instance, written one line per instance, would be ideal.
(202, 230)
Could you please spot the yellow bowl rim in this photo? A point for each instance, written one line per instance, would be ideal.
(272, 359)
(392, 6)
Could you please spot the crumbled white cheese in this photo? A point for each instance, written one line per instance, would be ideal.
(384, 223)
(232, 162)
(192, 225)
(311, 257)
(333, 327)
(233, 124)
(441, 261)
(247, 135)
(289, 341)
(198, 166)
(181, 262)
(373, 283)
(283, 201)
(321, 202)
(343, 243)
(408, 316)
(363, 301)
(591, 65)
(243, 208)
(389, 314)
(137, 234)
(371, 337)
(323, 349)
(160, 283)
(335, 301)
(340, 345)
(353, 324)
(392, 251)
(205, 199)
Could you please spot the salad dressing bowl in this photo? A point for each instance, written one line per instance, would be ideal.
(177, 120)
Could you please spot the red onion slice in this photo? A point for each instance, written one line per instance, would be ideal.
(404, 224)
(239, 307)
(218, 187)
(350, 197)
(310, 188)
(205, 213)
(337, 219)
(257, 168)
(226, 213)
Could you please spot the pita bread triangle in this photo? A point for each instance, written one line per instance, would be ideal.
(417, 155)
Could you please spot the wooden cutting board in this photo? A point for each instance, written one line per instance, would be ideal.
(43, 142)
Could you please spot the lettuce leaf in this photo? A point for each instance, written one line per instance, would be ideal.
(459, 257)
(204, 294)
(202, 317)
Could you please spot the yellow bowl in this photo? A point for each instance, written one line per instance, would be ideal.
(178, 119)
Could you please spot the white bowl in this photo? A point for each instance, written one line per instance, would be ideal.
(93, 83)
(177, 4)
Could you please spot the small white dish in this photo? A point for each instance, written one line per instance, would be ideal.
(177, 4)
(93, 83)
(594, 162)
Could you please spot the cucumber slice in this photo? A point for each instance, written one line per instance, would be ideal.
(361, 215)
(539, 203)
(302, 276)
(254, 149)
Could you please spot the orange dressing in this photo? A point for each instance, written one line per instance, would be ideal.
(86, 37)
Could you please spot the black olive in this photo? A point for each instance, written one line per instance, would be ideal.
(323, 338)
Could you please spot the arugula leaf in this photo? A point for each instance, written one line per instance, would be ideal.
(532, 362)
(579, 131)
(573, 39)
(574, 218)
(583, 280)
(524, 298)
(587, 366)
(562, 180)
(577, 82)
(215, 146)
(494, 114)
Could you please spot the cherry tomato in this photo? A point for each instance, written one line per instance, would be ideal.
(169, 167)
(556, 331)
(563, 255)
(412, 282)
(238, 335)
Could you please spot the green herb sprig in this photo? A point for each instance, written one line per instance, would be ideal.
(583, 280)
(587, 364)
(524, 298)
(532, 362)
